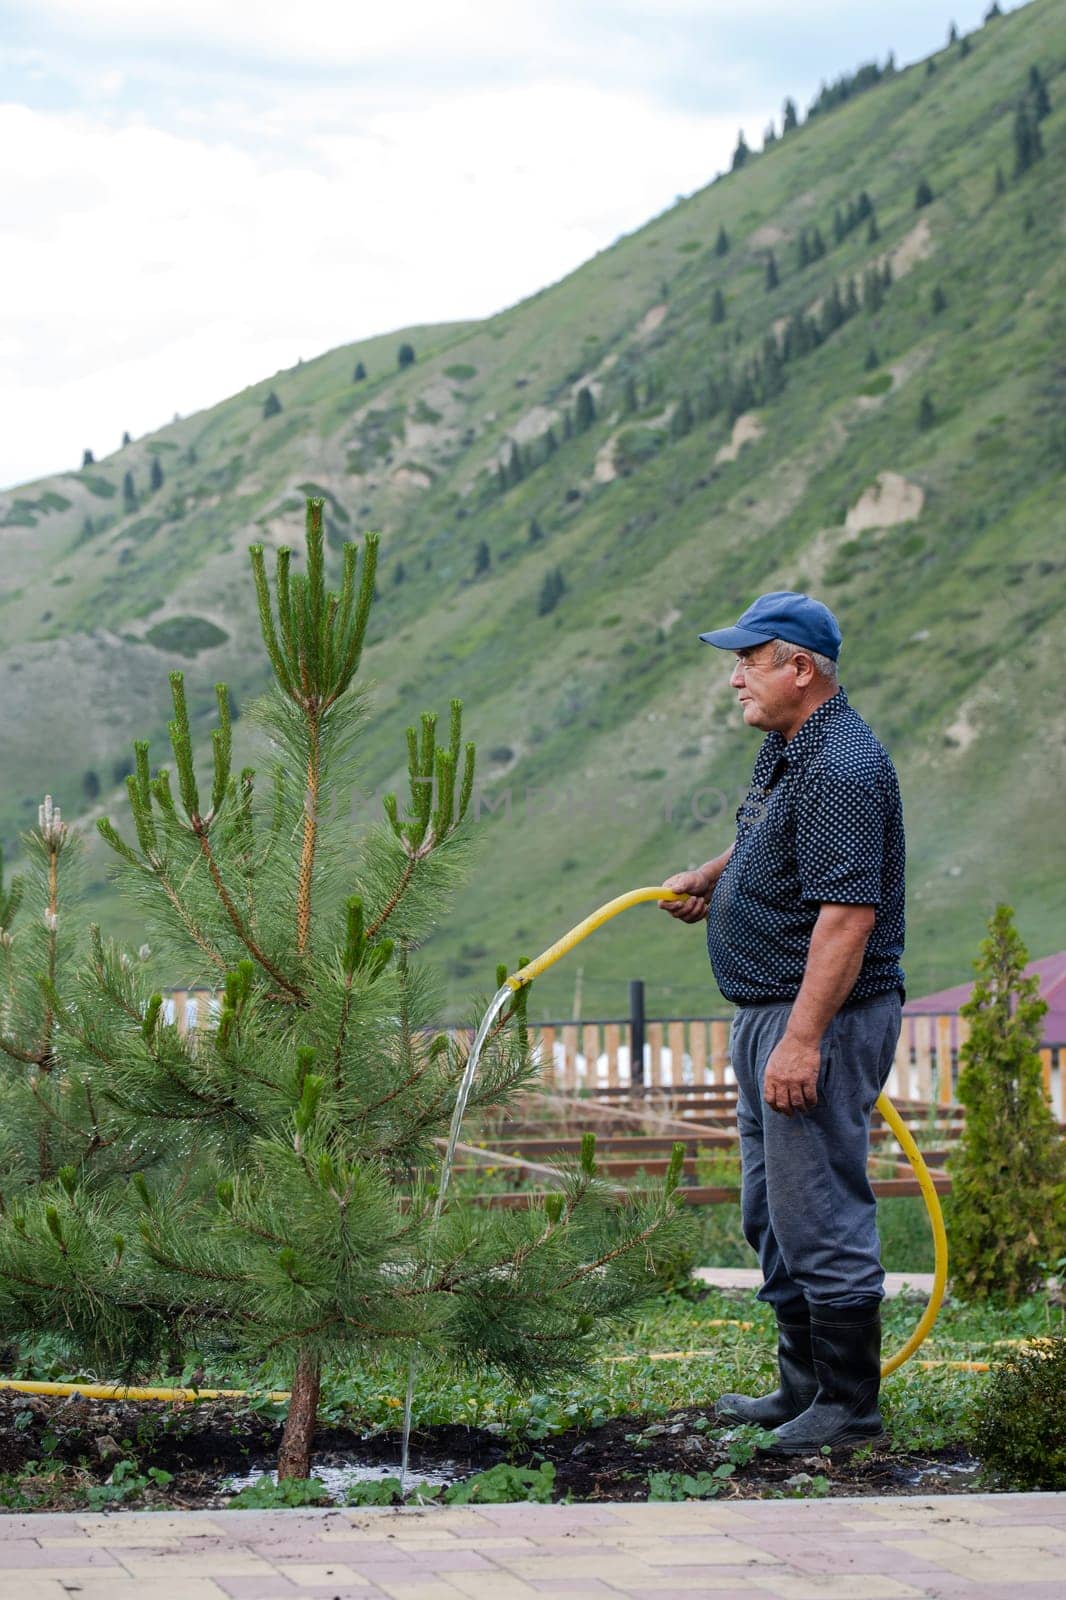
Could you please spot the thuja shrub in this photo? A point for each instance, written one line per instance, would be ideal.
(1007, 1210)
(1018, 1426)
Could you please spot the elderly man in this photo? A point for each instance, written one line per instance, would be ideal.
(805, 933)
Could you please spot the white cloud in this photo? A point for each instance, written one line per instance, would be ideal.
(155, 272)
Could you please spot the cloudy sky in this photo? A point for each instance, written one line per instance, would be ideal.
(193, 196)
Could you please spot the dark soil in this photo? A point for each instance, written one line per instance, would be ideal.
(76, 1443)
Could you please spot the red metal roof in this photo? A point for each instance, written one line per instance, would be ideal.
(1051, 970)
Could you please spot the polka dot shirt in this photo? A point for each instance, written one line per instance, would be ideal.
(822, 821)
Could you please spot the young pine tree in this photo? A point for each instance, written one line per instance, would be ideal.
(1007, 1213)
(263, 1183)
(717, 307)
(721, 243)
(38, 940)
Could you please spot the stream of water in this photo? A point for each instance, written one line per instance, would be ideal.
(499, 1000)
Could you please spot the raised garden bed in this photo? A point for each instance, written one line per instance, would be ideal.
(636, 1421)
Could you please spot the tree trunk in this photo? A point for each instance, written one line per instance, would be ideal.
(294, 1458)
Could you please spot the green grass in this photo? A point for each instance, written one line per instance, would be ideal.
(949, 623)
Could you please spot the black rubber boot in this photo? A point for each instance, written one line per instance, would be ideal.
(798, 1384)
(846, 1348)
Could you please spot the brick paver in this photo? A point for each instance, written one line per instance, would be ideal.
(941, 1547)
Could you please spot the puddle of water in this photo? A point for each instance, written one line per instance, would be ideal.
(960, 1469)
(338, 1479)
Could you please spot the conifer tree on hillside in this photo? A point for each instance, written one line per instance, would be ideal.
(535, 533)
(873, 360)
(247, 1186)
(87, 458)
(551, 591)
(721, 243)
(129, 492)
(1007, 1210)
(790, 117)
(817, 243)
(938, 300)
(585, 407)
(682, 420)
(126, 439)
(926, 413)
(999, 183)
(741, 153)
(923, 194)
(803, 250)
(630, 403)
(405, 355)
(772, 276)
(482, 558)
(156, 475)
(1037, 94)
(271, 405)
(717, 306)
(1028, 142)
(360, 372)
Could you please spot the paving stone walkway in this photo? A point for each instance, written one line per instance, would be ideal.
(973, 1547)
(916, 1283)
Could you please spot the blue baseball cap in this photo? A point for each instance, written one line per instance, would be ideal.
(786, 615)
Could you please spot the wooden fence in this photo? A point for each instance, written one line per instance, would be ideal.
(679, 1052)
(683, 1051)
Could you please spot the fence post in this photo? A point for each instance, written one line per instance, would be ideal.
(636, 1031)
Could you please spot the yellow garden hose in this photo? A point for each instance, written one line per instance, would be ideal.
(518, 980)
(635, 897)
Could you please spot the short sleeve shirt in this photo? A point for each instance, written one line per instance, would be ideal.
(821, 822)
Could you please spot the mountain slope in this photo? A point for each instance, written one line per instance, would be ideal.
(611, 731)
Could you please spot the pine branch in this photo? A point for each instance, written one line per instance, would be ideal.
(292, 989)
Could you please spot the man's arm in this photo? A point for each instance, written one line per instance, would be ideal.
(834, 961)
(698, 885)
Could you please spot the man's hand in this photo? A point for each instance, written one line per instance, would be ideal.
(791, 1081)
(694, 885)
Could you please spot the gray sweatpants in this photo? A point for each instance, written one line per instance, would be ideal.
(806, 1201)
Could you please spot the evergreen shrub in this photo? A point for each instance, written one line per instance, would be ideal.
(1007, 1209)
(1018, 1423)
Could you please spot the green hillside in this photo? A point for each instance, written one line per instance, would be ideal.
(751, 445)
